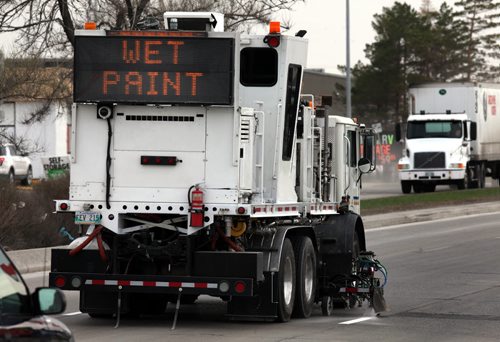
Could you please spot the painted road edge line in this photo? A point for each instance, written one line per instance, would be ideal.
(362, 319)
(72, 313)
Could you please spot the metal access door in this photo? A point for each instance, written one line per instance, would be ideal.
(156, 132)
(351, 174)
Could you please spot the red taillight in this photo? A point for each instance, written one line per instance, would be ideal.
(272, 40)
(240, 287)
(1, 160)
(63, 206)
(241, 210)
(60, 281)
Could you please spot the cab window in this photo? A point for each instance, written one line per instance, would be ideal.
(258, 67)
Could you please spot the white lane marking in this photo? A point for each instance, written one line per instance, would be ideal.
(406, 225)
(435, 249)
(72, 313)
(362, 319)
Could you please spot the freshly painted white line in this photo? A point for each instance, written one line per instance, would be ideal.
(405, 225)
(72, 313)
(362, 319)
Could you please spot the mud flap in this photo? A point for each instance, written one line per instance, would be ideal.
(378, 300)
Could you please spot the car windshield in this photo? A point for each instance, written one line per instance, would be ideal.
(434, 129)
(14, 297)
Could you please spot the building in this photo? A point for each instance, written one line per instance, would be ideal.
(328, 89)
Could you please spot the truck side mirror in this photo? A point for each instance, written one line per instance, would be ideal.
(398, 131)
(473, 131)
(369, 155)
(470, 130)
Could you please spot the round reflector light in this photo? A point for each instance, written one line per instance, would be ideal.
(60, 281)
(223, 286)
(241, 210)
(63, 206)
(76, 282)
(240, 287)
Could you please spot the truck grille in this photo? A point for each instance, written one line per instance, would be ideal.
(429, 160)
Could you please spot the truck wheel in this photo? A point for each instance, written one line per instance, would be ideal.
(482, 176)
(406, 187)
(465, 183)
(12, 177)
(305, 257)
(417, 188)
(29, 177)
(286, 282)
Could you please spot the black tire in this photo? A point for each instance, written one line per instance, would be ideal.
(417, 188)
(466, 182)
(12, 177)
(286, 282)
(305, 263)
(29, 177)
(406, 187)
(431, 187)
(482, 176)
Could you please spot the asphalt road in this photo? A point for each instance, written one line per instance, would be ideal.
(444, 285)
(377, 188)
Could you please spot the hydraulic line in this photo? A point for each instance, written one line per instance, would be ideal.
(108, 164)
(96, 233)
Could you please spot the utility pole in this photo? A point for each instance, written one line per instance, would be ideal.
(348, 61)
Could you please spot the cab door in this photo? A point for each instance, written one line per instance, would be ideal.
(351, 173)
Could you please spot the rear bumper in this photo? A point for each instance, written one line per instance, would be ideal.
(214, 286)
(439, 176)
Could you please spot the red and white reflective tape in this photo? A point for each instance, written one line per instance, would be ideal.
(175, 284)
(353, 290)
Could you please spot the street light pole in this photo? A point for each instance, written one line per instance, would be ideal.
(348, 61)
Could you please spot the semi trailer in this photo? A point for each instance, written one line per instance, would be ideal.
(452, 136)
(199, 168)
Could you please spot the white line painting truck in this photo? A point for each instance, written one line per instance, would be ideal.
(199, 169)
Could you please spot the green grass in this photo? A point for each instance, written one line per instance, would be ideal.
(428, 200)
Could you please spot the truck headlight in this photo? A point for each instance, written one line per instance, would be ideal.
(457, 166)
(403, 166)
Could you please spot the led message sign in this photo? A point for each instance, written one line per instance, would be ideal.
(176, 70)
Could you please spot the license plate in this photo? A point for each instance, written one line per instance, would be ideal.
(429, 174)
(87, 217)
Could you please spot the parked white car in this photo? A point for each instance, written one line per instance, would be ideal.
(14, 166)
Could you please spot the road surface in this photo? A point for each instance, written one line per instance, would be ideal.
(444, 285)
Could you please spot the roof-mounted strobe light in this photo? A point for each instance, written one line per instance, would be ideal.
(274, 36)
(90, 26)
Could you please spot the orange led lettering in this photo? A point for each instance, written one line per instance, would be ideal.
(109, 78)
(175, 56)
(132, 55)
(167, 81)
(133, 78)
(194, 76)
(150, 51)
(152, 81)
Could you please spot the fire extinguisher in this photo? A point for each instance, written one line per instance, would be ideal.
(197, 217)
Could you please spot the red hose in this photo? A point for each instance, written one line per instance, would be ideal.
(96, 233)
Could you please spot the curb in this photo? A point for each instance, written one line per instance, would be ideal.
(431, 214)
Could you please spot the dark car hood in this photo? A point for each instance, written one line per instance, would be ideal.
(38, 328)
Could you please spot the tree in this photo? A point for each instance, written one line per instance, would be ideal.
(394, 60)
(480, 20)
(49, 25)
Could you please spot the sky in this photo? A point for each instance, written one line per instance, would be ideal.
(324, 21)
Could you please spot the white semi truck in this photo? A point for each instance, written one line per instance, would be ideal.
(197, 168)
(452, 136)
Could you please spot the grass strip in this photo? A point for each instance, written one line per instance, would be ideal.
(428, 200)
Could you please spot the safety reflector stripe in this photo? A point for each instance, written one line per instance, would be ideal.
(174, 284)
(353, 290)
